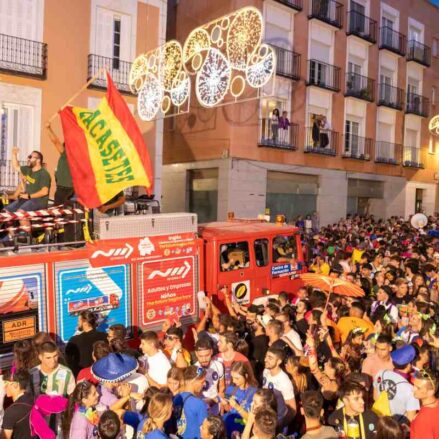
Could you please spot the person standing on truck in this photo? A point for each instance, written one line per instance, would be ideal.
(79, 349)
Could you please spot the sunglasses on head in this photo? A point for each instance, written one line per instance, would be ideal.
(423, 374)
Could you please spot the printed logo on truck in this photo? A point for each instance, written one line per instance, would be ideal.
(181, 272)
(121, 252)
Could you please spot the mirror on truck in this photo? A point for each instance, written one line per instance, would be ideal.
(234, 256)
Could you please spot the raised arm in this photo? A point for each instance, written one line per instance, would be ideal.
(15, 163)
(54, 139)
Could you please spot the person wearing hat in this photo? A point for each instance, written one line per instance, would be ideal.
(403, 405)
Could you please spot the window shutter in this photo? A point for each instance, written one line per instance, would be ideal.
(26, 129)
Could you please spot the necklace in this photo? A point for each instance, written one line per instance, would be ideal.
(316, 427)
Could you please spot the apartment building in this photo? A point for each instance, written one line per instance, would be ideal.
(358, 80)
(49, 49)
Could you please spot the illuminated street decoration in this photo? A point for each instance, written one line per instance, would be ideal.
(227, 57)
(433, 125)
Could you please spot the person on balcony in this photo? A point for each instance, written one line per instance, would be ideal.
(324, 132)
(315, 131)
(275, 124)
(284, 125)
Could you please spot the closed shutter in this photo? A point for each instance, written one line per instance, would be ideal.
(125, 38)
(20, 129)
(320, 51)
(104, 33)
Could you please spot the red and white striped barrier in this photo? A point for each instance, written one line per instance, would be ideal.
(50, 212)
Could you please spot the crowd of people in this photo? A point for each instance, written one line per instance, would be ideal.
(298, 365)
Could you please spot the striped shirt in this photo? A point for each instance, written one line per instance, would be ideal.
(59, 382)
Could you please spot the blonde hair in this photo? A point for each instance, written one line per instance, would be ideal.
(159, 411)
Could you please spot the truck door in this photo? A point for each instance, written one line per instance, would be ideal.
(261, 279)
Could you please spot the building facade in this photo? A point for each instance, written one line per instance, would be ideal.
(49, 49)
(358, 80)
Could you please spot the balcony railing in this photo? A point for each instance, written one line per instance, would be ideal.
(412, 157)
(23, 57)
(323, 75)
(329, 11)
(323, 142)
(295, 4)
(419, 53)
(356, 147)
(360, 87)
(390, 96)
(388, 152)
(417, 104)
(119, 71)
(9, 178)
(362, 26)
(287, 63)
(279, 136)
(392, 40)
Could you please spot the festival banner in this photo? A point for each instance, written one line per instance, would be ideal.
(103, 253)
(101, 290)
(105, 149)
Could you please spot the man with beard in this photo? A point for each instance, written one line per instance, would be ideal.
(79, 349)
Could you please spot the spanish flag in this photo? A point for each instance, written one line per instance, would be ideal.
(105, 149)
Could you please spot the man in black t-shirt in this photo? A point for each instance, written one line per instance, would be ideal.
(16, 418)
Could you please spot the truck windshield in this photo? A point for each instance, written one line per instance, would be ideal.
(284, 248)
(234, 256)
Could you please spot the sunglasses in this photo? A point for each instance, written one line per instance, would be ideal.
(423, 374)
(32, 157)
(171, 337)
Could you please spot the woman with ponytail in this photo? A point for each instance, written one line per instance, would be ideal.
(81, 418)
(159, 411)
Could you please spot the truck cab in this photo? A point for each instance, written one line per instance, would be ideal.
(251, 258)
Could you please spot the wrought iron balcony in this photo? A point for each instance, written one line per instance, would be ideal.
(412, 157)
(9, 177)
(388, 153)
(295, 4)
(329, 11)
(419, 53)
(359, 86)
(323, 75)
(23, 57)
(287, 63)
(279, 136)
(362, 26)
(417, 104)
(389, 96)
(392, 40)
(119, 71)
(356, 147)
(320, 141)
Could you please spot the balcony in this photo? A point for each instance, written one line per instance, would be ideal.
(295, 4)
(324, 142)
(22, 57)
(392, 40)
(323, 75)
(389, 96)
(329, 11)
(356, 147)
(388, 153)
(417, 104)
(419, 53)
(119, 71)
(412, 157)
(362, 26)
(9, 178)
(360, 87)
(277, 137)
(287, 63)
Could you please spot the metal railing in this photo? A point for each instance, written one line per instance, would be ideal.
(388, 152)
(417, 104)
(390, 96)
(362, 26)
(287, 62)
(9, 177)
(419, 52)
(280, 136)
(22, 57)
(360, 86)
(329, 11)
(412, 157)
(392, 40)
(119, 71)
(323, 75)
(357, 147)
(320, 141)
(295, 4)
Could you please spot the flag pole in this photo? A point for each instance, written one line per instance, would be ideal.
(77, 94)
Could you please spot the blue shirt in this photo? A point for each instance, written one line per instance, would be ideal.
(193, 413)
(156, 434)
(232, 419)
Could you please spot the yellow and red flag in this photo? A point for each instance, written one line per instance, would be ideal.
(105, 149)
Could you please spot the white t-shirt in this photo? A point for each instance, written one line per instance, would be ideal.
(139, 384)
(279, 382)
(294, 337)
(157, 366)
(214, 373)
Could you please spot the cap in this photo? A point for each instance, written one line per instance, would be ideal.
(404, 355)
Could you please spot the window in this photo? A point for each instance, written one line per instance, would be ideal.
(434, 47)
(352, 130)
(234, 256)
(116, 42)
(284, 248)
(433, 95)
(261, 252)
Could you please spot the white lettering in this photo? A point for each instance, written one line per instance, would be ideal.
(124, 251)
(171, 272)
